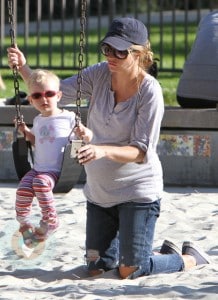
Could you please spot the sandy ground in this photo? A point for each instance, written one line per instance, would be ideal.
(56, 269)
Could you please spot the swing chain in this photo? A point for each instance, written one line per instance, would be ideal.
(80, 59)
(19, 117)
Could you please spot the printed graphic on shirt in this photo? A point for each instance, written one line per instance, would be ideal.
(46, 134)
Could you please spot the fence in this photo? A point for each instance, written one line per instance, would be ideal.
(48, 31)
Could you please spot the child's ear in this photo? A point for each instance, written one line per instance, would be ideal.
(59, 95)
(29, 99)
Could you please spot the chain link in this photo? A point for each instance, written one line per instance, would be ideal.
(19, 117)
(80, 59)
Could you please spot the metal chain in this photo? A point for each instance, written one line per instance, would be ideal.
(80, 59)
(19, 117)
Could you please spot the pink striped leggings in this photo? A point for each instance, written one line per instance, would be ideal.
(39, 185)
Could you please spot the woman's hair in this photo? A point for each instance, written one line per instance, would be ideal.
(40, 76)
(146, 60)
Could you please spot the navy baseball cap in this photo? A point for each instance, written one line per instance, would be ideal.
(125, 32)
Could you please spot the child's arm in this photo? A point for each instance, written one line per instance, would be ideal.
(22, 128)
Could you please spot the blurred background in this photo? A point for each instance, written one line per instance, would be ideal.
(49, 32)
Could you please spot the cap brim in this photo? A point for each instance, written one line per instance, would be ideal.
(117, 43)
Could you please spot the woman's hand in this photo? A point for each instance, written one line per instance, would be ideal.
(16, 58)
(89, 153)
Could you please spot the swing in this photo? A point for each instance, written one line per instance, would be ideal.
(71, 172)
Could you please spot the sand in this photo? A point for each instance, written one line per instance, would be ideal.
(56, 268)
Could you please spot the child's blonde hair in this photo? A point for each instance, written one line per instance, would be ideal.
(39, 76)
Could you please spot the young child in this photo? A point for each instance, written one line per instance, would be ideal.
(49, 134)
(2, 85)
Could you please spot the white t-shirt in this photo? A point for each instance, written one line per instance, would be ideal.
(51, 136)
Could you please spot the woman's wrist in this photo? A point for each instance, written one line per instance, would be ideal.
(23, 66)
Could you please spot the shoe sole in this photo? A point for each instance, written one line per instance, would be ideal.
(43, 237)
(172, 248)
(27, 232)
(200, 252)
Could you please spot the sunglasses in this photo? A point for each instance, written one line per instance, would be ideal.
(47, 94)
(108, 50)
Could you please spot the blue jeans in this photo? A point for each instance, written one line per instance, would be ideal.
(122, 235)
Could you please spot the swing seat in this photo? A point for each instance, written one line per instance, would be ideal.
(71, 172)
(20, 149)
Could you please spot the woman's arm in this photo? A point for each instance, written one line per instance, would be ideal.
(120, 154)
(17, 58)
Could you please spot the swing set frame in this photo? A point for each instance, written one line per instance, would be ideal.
(71, 170)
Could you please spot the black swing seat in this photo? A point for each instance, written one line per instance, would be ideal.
(71, 173)
(21, 150)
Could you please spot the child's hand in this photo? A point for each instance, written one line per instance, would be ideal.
(21, 126)
(83, 133)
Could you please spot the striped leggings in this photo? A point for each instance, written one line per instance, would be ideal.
(39, 185)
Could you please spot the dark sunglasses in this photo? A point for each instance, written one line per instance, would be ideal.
(108, 50)
(47, 94)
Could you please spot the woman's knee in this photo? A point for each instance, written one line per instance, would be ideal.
(126, 271)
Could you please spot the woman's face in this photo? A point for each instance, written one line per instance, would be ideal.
(119, 61)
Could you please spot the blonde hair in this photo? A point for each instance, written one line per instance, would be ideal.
(40, 76)
(145, 55)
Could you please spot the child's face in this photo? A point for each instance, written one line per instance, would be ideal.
(44, 97)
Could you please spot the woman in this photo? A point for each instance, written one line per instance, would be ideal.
(124, 175)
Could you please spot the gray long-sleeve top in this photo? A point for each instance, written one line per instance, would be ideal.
(135, 122)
